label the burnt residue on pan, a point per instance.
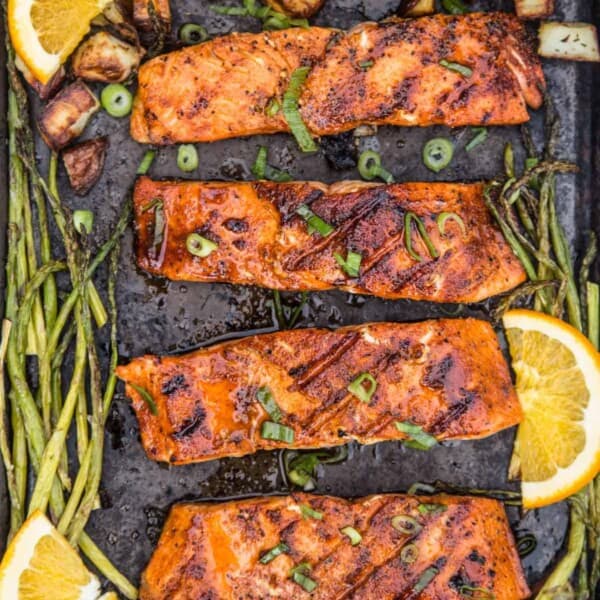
(170, 317)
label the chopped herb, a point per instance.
(146, 162)
(425, 579)
(291, 112)
(355, 537)
(366, 65)
(200, 246)
(262, 170)
(271, 18)
(364, 394)
(428, 509)
(456, 67)
(266, 400)
(437, 154)
(298, 575)
(444, 217)
(277, 432)
(369, 167)
(351, 264)
(406, 524)
(409, 553)
(419, 439)
(301, 469)
(409, 217)
(480, 135)
(310, 513)
(146, 397)
(274, 552)
(273, 107)
(314, 221)
(455, 7)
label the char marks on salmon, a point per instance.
(448, 377)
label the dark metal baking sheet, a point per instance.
(165, 317)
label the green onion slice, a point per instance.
(468, 591)
(153, 204)
(291, 112)
(83, 221)
(420, 488)
(314, 221)
(260, 164)
(366, 65)
(274, 552)
(357, 387)
(369, 167)
(455, 7)
(146, 163)
(444, 217)
(509, 160)
(301, 468)
(187, 158)
(232, 11)
(159, 226)
(456, 67)
(277, 432)
(418, 439)
(200, 246)
(425, 579)
(266, 400)
(146, 397)
(116, 100)
(310, 513)
(409, 553)
(298, 575)
(351, 264)
(273, 107)
(437, 154)
(353, 535)
(191, 34)
(406, 524)
(526, 545)
(431, 508)
(480, 135)
(409, 217)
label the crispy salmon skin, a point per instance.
(377, 73)
(447, 376)
(262, 240)
(463, 546)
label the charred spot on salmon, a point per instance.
(236, 225)
(192, 424)
(435, 374)
(174, 384)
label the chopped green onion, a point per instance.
(406, 524)
(154, 203)
(273, 174)
(428, 509)
(274, 552)
(455, 7)
(83, 221)
(310, 513)
(355, 537)
(437, 154)
(301, 469)
(509, 160)
(444, 217)
(273, 107)
(192, 34)
(425, 579)
(526, 545)
(468, 591)
(277, 432)
(369, 167)
(351, 264)
(232, 11)
(481, 135)
(146, 397)
(456, 67)
(260, 164)
(116, 100)
(366, 65)
(314, 221)
(408, 218)
(298, 575)
(291, 112)
(200, 246)
(364, 394)
(266, 400)
(419, 439)
(187, 158)
(409, 553)
(302, 479)
(159, 225)
(420, 488)
(146, 162)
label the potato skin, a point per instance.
(297, 8)
(84, 163)
(65, 117)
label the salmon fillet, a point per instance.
(377, 73)
(465, 545)
(263, 241)
(448, 377)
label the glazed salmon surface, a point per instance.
(377, 73)
(262, 240)
(447, 376)
(214, 550)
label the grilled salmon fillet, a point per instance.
(377, 73)
(262, 240)
(448, 377)
(460, 547)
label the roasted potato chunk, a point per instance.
(84, 163)
(534, 9)
(296, 8)
(44, 91)
(64, 118)
(143, 11)
(103, 57)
